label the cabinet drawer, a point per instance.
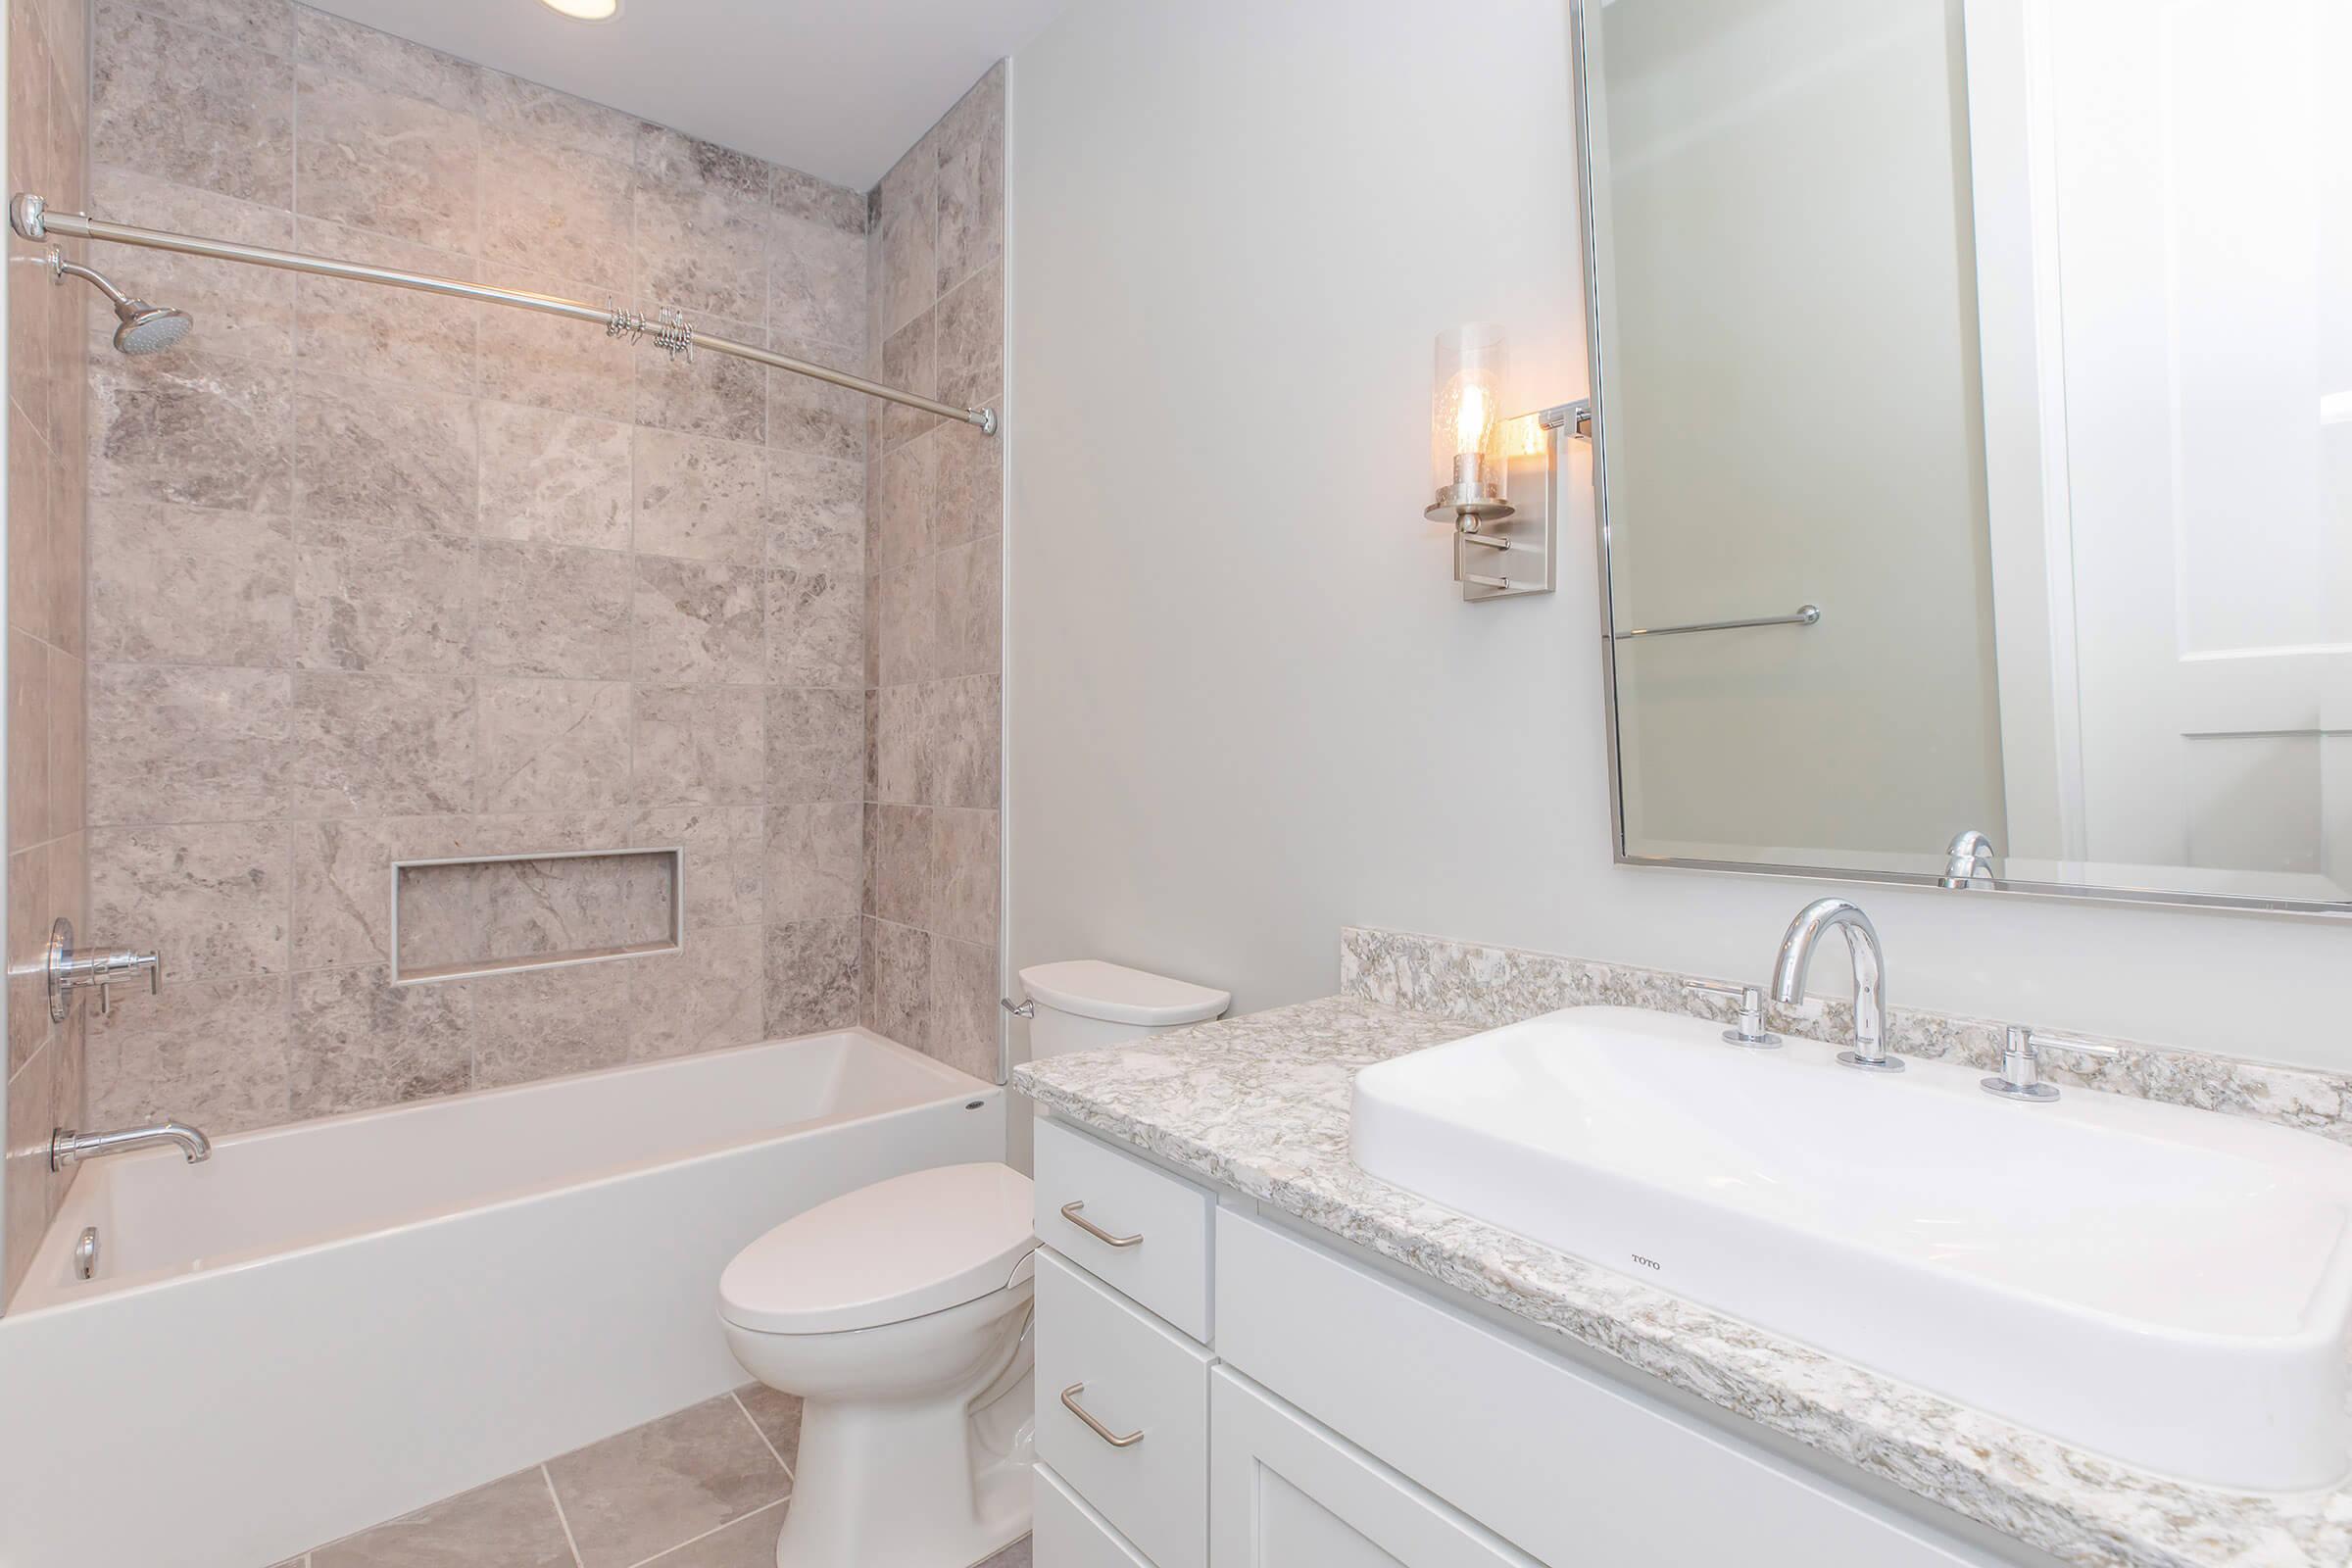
(1067, 1534)
(1569, 1466)
(1158, 1225)
(1132, 1375)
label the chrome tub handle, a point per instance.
(1069, 1403)
(1070, 1212)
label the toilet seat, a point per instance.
(901, 1249)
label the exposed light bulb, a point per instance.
(1470, 420)
(584, 9)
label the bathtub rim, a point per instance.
(51, 1256)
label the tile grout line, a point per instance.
(655, 1558)
(761, 1434)
(481, 714)
(289, 1013)
(570, 1545)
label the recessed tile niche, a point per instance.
(487, 914)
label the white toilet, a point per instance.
(899, 1314)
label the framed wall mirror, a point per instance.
(1973, 387)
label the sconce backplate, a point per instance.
(1514, 555)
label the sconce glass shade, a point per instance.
(1466, 458)
(1522, 436)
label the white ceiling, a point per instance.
(838, 88)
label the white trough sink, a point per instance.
(2165, 1285)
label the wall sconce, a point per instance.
(1466, 427)
(1475, 454)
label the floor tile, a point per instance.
(507, 1524)
(665, 1483)
(1015, 1555)
(747, 1543)
(750, 1542)
(778, 1417)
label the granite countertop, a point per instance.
(1260, 1105)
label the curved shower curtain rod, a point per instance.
(30, 216)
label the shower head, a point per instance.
(145, 328)
(150, 329)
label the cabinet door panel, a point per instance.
(1294, 1525)
(1567, 1465)
(1285, 1492)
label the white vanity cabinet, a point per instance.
(1333, 1414)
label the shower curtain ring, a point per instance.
(674, 335)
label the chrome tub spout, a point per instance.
(69, 1148)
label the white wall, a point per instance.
(1245, 704)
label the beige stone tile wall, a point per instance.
(381, 576)
(480, 912)
(48, 110)
(935, 566)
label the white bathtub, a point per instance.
(329, 1324)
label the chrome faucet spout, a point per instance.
(1796, 959)
(1967, 860)
(69, 1148)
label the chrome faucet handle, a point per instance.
(67, 969)
(121, 966)
(2021, 1060)
(1749, 1030)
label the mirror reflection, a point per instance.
(1987, 364)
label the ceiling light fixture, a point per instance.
(585, 10)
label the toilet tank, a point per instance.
(1085, 1004)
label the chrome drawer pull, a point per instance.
(1069, 1403)
(1070, 1212)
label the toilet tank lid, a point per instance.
(1089, 988)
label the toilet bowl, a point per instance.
(899, 1314)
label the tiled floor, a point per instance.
(703, 1488)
